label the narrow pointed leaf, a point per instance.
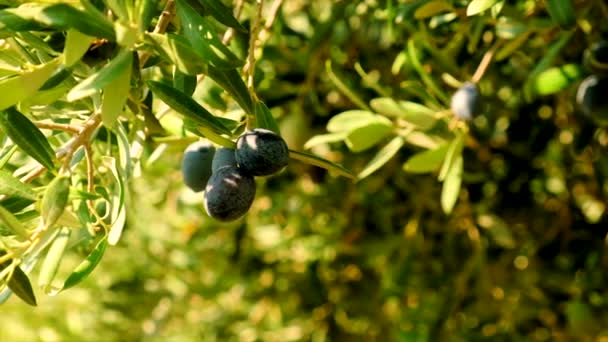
(222, 14)
(382, 157)
(103, 77)
(177, 50)
(87, 265)
(264, 118)
(452, 153)
(320, 162)
(562, 12)
(414, 113)
(52, 261)
(76, 45)
(365, 137)
(324, 139)
(185, 105)
(13, 223)
(20, 285)
(118, 214)
(55, 200)
(183, 82)
(115, 96)
(478, 6)
(27, 136)
(426, 161)
(204, 39)
(231, 81)
(12, 187)
(58, 16)
(19, 87)
(451, 185)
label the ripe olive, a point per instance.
(592, 98)
(465, 101)
(223, 157)
(229, 194)
(261, 152)
(196, 165)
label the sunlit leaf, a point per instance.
(557, 79)
(478, 6)
(222, 14)
(52, 261)
(320, 162)
(11, 186)
(364, 137)
(23, 85)
(351, 119)
(451, 185)
(55, 200)
(102, 78)
(454, 150)
(414, 113)
(325, 139)
(426, 161)
(204, 39)
(87, 265)
(382, 157)
(76, 45)
(58, 16)
(115, 96)
(13, 223)
(432, 8)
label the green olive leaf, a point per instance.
(27, 136)
(264, 118)
(52, 261)
(87, 265)
(204, 39)
(320, 162)
(102, 78)
(54, 200)
(382, 157)
(12, 187)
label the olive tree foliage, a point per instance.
(475, 205)
(84, 86)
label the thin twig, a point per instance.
(485, 63)
(272, 15)
(58, 127)
(161, 26)
(88, 155)
(249, 69)
(229, 34)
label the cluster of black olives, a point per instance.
(592, 93)
(227, 175)
(465, 101)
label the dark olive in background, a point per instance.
(196, 165)
(229, 194)
(261, 152)
(465, 101)
(592, 98)
(223, 157)
(595, 58)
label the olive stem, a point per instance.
(59, 127)
(485, 63)
(161, 26)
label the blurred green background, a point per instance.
(323, 258)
